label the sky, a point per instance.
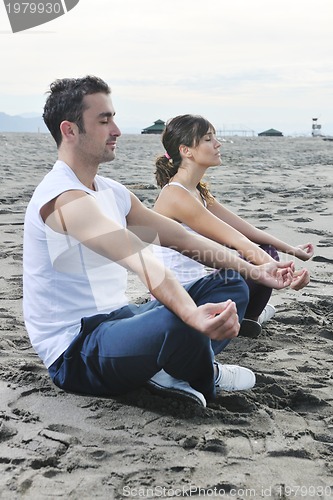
(243, 64)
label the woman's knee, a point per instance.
(271, 250)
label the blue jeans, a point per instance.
(118, 352)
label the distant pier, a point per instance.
(235, 130)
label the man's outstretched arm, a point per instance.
(77, 214)
(149, 225)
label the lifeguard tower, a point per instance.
(316, 128)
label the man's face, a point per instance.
(98, 143)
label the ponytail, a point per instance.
(165, 170)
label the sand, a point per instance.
(255, 444)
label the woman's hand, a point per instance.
(304, 252)
(301, 279)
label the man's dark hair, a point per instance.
(65, 102)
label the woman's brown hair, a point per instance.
(187, 130)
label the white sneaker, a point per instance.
(163, 382)
(267, 314)
(233, 378)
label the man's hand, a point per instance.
(274, 274)
(216, 321)
(280, 277)
(300, 280)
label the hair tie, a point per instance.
(167, 156)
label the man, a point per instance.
(82, 233)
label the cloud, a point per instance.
(164, 57)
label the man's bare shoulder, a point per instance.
(61, 200)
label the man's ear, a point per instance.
(68, 130)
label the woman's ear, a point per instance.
(185, 151)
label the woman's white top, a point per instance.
(185, 268)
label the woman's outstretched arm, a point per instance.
(303, 252)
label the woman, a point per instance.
(191, 148)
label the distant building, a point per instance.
(157, 128)
(271, 133)
(316, 128)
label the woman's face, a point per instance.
(207, 152)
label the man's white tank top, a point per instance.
(63, 280)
